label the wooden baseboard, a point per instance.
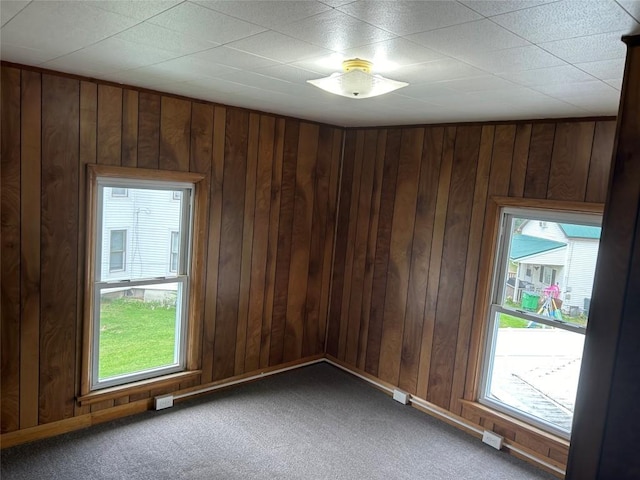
(53, 429)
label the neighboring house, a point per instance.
(140, 233)
(546, 253)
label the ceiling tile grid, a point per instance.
(465, 60)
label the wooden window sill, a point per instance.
(136, 387)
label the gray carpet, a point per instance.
(316, 422)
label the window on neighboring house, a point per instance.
(176, 195)
(140, 318)
(535, 331)
(118, 192)
(117, 250)
(173, 256)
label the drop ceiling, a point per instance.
(464, 60)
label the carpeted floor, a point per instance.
(316, 422)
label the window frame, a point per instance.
(193, 294)
(489, 264)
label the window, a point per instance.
(139, 319)
(119, 192)
(176, 195)
(535, 328)
(173, 255)
(117, 249)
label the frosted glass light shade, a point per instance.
(357, 83)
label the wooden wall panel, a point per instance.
(10, 204)
(265, 260)
(59, 255)
(419, 326)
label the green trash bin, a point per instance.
(530, 301)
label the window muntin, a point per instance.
(117, 250)
(140, 312)
(537, 322)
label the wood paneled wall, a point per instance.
(410, 232)
(270, 236)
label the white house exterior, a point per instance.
(140, 233)
(566, 257)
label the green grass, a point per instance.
(135, 336)
(509, 321)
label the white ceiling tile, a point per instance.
(513, 59)
(256, 80)
(591, 48)
(205, 24)
(267, 13)
(234, 58)
(62, 27)
(548, 76)
(604, 69)
(438, 70)
(602, 104)
(471, 37)
(159, 37)
(567, 91)
(9, 9)
(335, 30)
(567, 19)
(478, 84)
(394, 53)
(615, 83)
(288, 73)
(631, 6)
(336, 3)
(140, 9)
(490, 8)
(26, 56)
(405, 17)
(278, 47)
(110, 55)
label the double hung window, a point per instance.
(539, 307)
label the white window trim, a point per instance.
(496, 293)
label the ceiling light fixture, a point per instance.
(356, 81)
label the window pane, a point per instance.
(138, 329)
(535, 369)
(118, 192)
(149, 216)
(117, 240)
(550, 268)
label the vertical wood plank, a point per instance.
(453, 264)
(539, 164)
(329, 237)
(88, 154)
(283, 259)
(109, 125)
(272, 252)
(148, 130)
(471, 268)
(420, 257)
(372, 238)
(501, 162)
(351, 239)
(383, 243)
(213, 254)
(520, 158)
(175, 137)
(338, 274)
(435, 263)
(570, 162)
(235, 170)
(311, 330)
(354, 310)
(247, 241)
(400, 250)
(300, 241)
(30, 250)
(600, 164)
(129, 128)
(259, 249)
(10, 230)
(60, 153)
